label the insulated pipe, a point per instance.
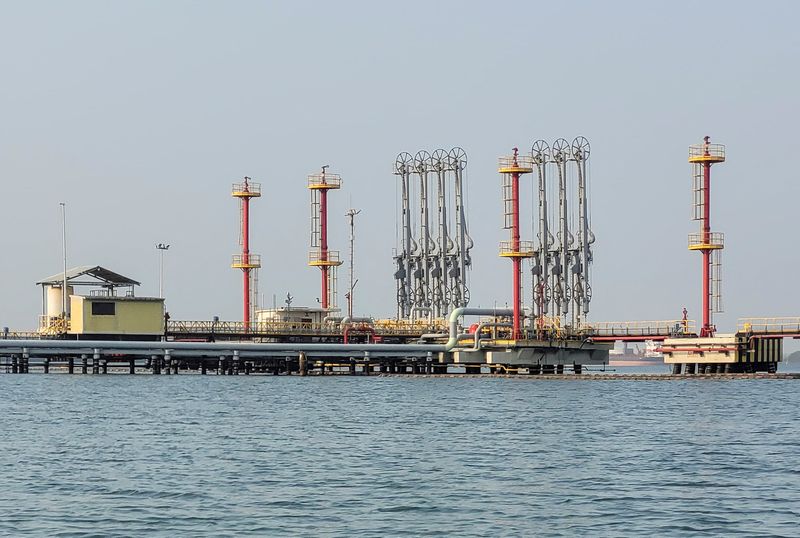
(477, 345)
(348, 319)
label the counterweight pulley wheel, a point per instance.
(541, 152)
(403, 163)
(580, 149)
(458, 159)
(422, 161)
(561, 150)
(439, 160)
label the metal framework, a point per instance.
(434, 253)
(247, 262)
(710, 244)
(560, 263)
(319, 255)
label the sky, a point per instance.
(140, 115)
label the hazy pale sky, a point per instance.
(139, 115)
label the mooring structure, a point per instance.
(247, 262)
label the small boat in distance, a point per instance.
(626, 354)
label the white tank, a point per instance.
(54, 301)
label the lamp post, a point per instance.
(162, 248)
(64, 246)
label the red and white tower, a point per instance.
(319, 255)
(247, 262)
(511, 168)
(709, 243)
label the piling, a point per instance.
(71, 365)
(202, 367)
(46, 365)
(303, 361)
(96, 362)
(84, 367)
(132, 366)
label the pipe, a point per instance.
(476, 346)
(87, 346)
(420, 309)
(349, 319)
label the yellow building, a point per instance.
(110, 307)
(100, 315)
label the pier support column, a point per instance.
(236, 363)
(221, 365)
(132, 366)
(247, 366)
(84, 365)
(202, 367)
(577, 369)
(25, 361)
(560, 369)
(71, 365)
(46, 365)
(96, 362)
(676, 369)
(104, 365)
(352, 366)
(303, 362)
(14, 364)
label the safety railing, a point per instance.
(332, 257)
(239, 189)
(19, 335)
(524, 249)
(699, 150)
(512, 161)
(788, 325)
(668, 327)
(714, 239)
(53, 325)
(251, 260)
(331, 181)
(278, 328)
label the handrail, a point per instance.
(640, 328)
(779, 325)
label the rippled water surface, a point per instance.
(340, 456)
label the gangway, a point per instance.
(787, 327)
(638, 331)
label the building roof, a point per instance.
(104, 276)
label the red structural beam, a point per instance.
(246, 256)
(323, 234)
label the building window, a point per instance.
(103, 308)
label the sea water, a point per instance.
(192, 455)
